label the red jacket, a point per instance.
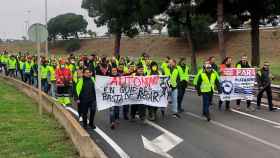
(63, 76)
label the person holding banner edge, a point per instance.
(243, 63)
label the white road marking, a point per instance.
(277, 147)
(110, 141)
(163, 143)
(256, 117)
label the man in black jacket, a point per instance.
(264, 83)
(86, 97)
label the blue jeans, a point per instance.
(53, 89)
(206, 97)
(45, 85)
(174, 96)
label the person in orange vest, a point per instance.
(227, 63)
(63, 83)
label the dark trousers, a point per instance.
(21, 75)
(141, 109)
(12, 73)
(27, 78)
(181, 93)
(114, 114)
(125, 111)
(152, 111)
(221, 103)
(247, 101)
(45, 85)
(269, 96)
(206, 98)
(88, 107)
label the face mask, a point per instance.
(62, 66)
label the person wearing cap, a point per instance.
(34, 72)
(264, 83)
(12, 64)
(174, 80)
(85, 97)
(183, 70)
(114, 111)
(121, 72)
(154, 71)
(243, 63)
(227, 63)
(51, 69)
(140, 108)
(207, 82)
(44, 71)
(27, 70)
(21, 64)
(4, 62)
(63, 83)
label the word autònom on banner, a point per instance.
(237, 83)
(126, 90)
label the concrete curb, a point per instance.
(86, 147)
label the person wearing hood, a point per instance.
(264, 83)
(85, 97)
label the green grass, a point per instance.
(25, 134)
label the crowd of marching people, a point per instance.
(72, 80)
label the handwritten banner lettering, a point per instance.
(127, 90)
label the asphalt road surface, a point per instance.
(231, 134)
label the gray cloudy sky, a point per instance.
(14, 14)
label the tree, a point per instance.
(181, 13)
(220, 17)
(127, 17)
(24, 38)
(91, 34)
(67, 25)
(258, 9)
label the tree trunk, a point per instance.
(220, 16)
(192, 44)
(118, 37)
(255, 40)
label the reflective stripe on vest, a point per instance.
(52, 73)
(44, 72)
(206, 85)
(173, 78)
(79, 85)
(12, 64)
(184, 74)
(27, 67)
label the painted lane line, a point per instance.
(277, 147)
(110, 141)
(163, 143)
(256, 117)
(253, 102)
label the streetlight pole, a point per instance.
(46, 22)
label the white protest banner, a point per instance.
(125, 90)
(237, 83)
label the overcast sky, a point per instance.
(14, 15)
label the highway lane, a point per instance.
(230, 134)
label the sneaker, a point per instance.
(176, 116)
(238, 107)
(181, 110)
(113, 126)
(273, 109)
(80, 119)
(92, 126)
